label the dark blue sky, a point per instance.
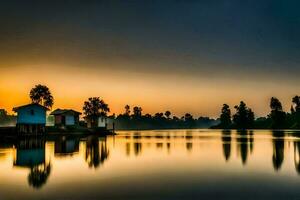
(229, 40)
(228, 33)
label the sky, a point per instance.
(180, 55)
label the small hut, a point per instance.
(31, 118)
(65, 117)
(96, 122)
(100, 122)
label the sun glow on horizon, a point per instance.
(180, 94)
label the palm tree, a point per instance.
(94, 108)
(127, 110)
(41, 94)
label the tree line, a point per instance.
(244, 117)
(95, 107)
(135, 119)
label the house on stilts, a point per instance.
(31, 118)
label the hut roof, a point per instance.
(65, 111)
(15, 109)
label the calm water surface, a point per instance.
(168, 164)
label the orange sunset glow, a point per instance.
(154, 92)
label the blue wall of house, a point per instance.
(30, 157)
(31, 115)
(70, 120)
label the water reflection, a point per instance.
(166, 153)
(226, 139)
(297, 152)
(30, 153)
(278, 149)
(96, 152)
(66, 146)
(137, 146)
(244, 144)
(189, 139)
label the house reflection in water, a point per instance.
(66, 147)
(96, 151)
(30, 153)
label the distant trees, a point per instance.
(296, 103)
(225, 116)
(244, 116)
(277, 115)
(295, 112)
(41, 94)
(189, 120)
(137, 111)
(277, 119)
(242, 119)
(160, 120)
(168, 114)
(127, 110)
(6, 119)
(94, 108)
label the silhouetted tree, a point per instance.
(275, 104)
(277, 115)
(168, 114)
(158, 115)
(189, 120)
(295, 112)
(94, 108)
(296, 103)
(41, 94)
(244, 117)
(225, 116)
(137, 111)
(127, 110)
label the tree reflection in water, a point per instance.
(38, 175)
(297, 156)
(226, 140)
(189, 139)
(137, 148)
(297, 152)
(94, 155)
(245, 144)
(278, 149)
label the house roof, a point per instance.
(64, 111)
(15, 109)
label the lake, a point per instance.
(163, 164)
